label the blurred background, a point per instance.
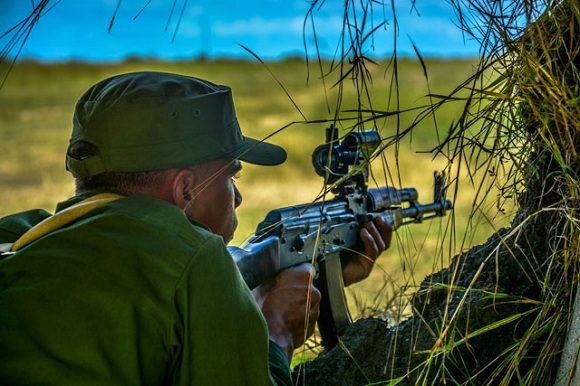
(50, 58)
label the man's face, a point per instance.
(216, 197)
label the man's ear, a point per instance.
(182, 188)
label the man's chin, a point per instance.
(231, 235)
(228, 238)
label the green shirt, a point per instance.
(132, 293)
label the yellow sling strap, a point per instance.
(63, 218)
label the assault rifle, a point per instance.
(319, 231)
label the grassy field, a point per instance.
(37, 101)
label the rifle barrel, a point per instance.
(384, 197)
(418, 210)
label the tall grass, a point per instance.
(518, 130)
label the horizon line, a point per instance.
(223, 58)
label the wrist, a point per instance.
(354, 273)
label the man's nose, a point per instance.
(237, 197)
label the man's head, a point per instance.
(154, 134)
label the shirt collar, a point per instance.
(83, 196)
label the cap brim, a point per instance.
(259, 152)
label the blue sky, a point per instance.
(77, 29)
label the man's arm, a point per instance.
(279, 365)
(14, 226)
(220, 336)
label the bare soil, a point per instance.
(374, 352)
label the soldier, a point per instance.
(130, 282)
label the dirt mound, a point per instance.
(500, 311)
(493, 313)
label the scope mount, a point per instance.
(336, 159)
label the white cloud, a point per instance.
(257, 26)
(431, 25)
(264, 27)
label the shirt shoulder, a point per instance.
(15, 225)
(150, 217)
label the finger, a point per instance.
(313, 318)
(385, 229)
(314, 310)
(315, 296)
(313, 315)
(369, 244)
(378, 238)
(310, 328)
(306, 267)
(300, 273)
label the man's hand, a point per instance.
(290, 304)
(376, 238)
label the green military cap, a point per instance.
(144, 121)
